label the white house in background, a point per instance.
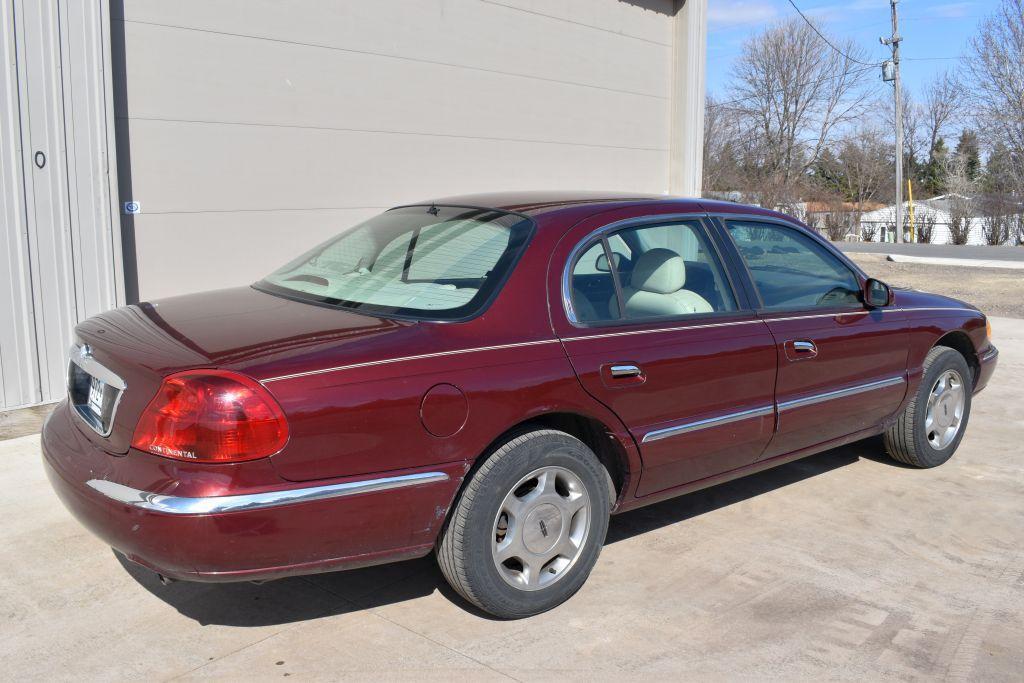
(934, 210)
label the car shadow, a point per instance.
(323, 595)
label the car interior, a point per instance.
(656, 280)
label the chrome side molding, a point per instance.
(657, 434)
(769, 410)
(841, 393)
(176, 505)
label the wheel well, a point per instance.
(959, 341)
(593, 433)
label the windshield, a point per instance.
(429, 262)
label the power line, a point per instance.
(827, 41)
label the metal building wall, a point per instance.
(61, 240)
(254, 129)
(18, 372)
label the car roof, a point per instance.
(584, 203)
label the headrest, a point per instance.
(661, 271)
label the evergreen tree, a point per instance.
(827, 172)
(967, 149)
(933, 176)
(998, 178)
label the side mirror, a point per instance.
(602, 262)
(876, 293)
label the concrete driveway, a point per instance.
(843, 566)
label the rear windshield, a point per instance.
(426, 262)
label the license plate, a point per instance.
(95, 401)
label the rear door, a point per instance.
(842, 366)
(656, 331)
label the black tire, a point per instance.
(464, 550)
(906, 440)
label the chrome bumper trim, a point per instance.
(81, 355)
(841, 393)
(175, 505)
(704, 424)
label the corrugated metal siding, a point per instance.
(49, 236)
(62, 242)
(19, 383)
(273, 125)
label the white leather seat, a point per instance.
(657, 287)
(585, 311)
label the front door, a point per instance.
(842, 366)
(655, 330)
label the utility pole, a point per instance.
(891, 73)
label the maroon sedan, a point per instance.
(488, 378)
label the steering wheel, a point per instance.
(836, 295)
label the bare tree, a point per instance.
(839, 224)
(1017, 227)
(962, 206)
(995, 228)
(942, 107)
(795, 91)
(915, 137)
(724, 146)
(866, 159)
(997, 220)
(924, 226)
(996, 62)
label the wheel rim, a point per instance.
(541, 528)
(945, 411)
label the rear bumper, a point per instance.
(242, 522)
(986, 366)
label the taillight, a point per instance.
(211, 416)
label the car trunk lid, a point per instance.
(136, 346)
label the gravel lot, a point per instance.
(994, 291)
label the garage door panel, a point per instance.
(19, 378)
(215, 167)
(470, 33)
(196, 76)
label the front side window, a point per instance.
(437, 262)
(663, 270)
(791, 270)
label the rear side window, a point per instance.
(593, 286)
(654, 271)
(791, 271)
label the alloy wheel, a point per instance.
(541, 528)
(945, 409)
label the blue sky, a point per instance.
(929, 29)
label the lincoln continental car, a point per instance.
(488, 378)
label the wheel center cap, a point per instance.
(542, 528)
(946, 412)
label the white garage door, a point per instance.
(254, 129)
(59, 243)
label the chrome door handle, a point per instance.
(621, 371)
(805, 347)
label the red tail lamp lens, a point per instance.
(211, 416)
